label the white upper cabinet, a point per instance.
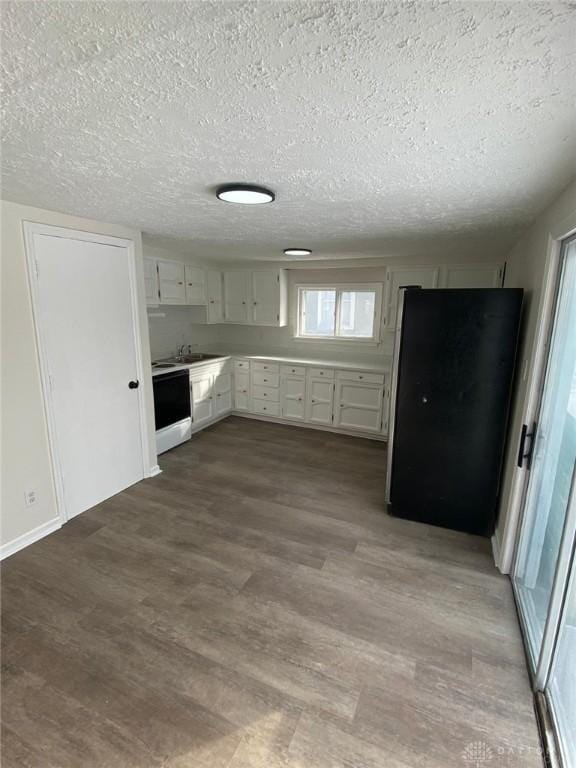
(472, 276)
(195, 285)
(151, 281)
(237, 296)
(214, 297)
(269, 297)
(399, 277)
(171, 276)
(255, 297)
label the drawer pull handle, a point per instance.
(360, 377)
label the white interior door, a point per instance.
(86, 320)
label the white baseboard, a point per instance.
(153, 471)
(11, 547)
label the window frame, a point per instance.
(339, 289)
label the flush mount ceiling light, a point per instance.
(245, 194)
(297, 251)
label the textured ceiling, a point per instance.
(384, 127)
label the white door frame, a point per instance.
(546, 311)
(31, 228)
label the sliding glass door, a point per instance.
(561, 686)
(545, 555)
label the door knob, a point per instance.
(133, 384)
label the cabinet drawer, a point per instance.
(267, 367)
(264, 393)
(265, 407)
(293, 370)
(367, 378)
(241, 365)
(265, 379)
(321, 373)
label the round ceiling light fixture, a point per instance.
(245, 194)
(297, 251)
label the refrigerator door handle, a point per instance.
(524, 454)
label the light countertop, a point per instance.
(375, 364)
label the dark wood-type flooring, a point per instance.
(254, 606)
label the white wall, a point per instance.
(526, 265)
(25, 457)
(170, 327)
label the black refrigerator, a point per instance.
(454, 357)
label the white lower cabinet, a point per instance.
(222, 393)
(320, 401)
(352, 401)
(202, 394)
(386, 404)
(241, 389)
(293, 397)
(358, 406)
(210, 393)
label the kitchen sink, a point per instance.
(197, 357)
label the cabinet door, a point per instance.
(202, 393)
(358, 406)
(386, 405)
(172, 282)
(195, 285)
(472, 276)
(222, 393)
(319, 401)
(398, 277)
(242, 390)
(236, 297)
(266, 297)
(215, 310)
(151, 281)
(293, 398)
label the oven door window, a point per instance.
(171, 398)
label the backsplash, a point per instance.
(170, 327)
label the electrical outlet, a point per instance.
(30, 498)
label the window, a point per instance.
(339, 312)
